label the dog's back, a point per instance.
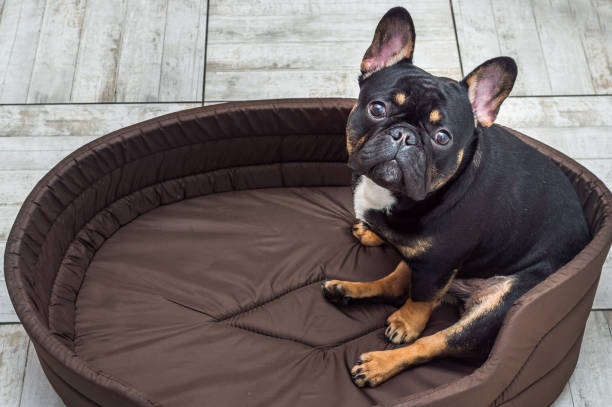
(529, 213)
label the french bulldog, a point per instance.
(474, 212)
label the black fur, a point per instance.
(505, 210)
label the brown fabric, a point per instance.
(177, 262)
(225, 290)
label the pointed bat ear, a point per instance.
(393, 41)
(488, 86)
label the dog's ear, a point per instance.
(393, 41)
(488, 86)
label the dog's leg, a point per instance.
(476, 328)
(392, 286)
(363, 233)
(407, 323)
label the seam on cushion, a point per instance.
(190, 307)
(53, 288)
(268, 334)
(319, 347)
(366, 333)
(254, 306)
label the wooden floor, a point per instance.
(73, 70)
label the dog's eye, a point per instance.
(442, 137)
(377, 110)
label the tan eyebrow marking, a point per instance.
(434, 116)
(400, 98)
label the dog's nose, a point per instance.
(396, 133)
(401, 134)
(410, 139)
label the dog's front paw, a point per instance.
(365, 235)
(373, 368)
(335, 291)
(401, 328)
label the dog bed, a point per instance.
(178, 262)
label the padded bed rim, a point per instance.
(496, 374)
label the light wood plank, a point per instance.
(571, 111)
(19, 144)
(19, 33)
(476, 32)
(562, 48)
(8, 213)
(228, 86)
(17, 185)
(96, 69)
(56, 55)
(565, 398)
(576, 142)
(518, 38)
(2, 249)
(594, 23)
(31, 160)
(141, 51)
(7, 313)
(603, 297)
(182, 69)
(590, 383)
(78, 120)
(37, 390)
(268, 48)
(13, 355)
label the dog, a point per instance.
(473, 212)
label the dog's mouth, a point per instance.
(387, 174)
(396, 165)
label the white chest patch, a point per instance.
(369, 195)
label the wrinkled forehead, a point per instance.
(410, 87)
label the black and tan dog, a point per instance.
(473, 211)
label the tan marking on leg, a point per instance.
(407, 323)
(400, 98)
(374, 368)
(482, 302)
(418, 247)
(393, 285)
(435, 116)
(366, 236)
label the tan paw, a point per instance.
(365, 235)
(373, 368)
(403, 328)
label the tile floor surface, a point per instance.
(73, 70)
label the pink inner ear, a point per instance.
(485, 91)
(384, 54)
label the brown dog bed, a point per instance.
(178, 262)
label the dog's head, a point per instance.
(410, 130)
